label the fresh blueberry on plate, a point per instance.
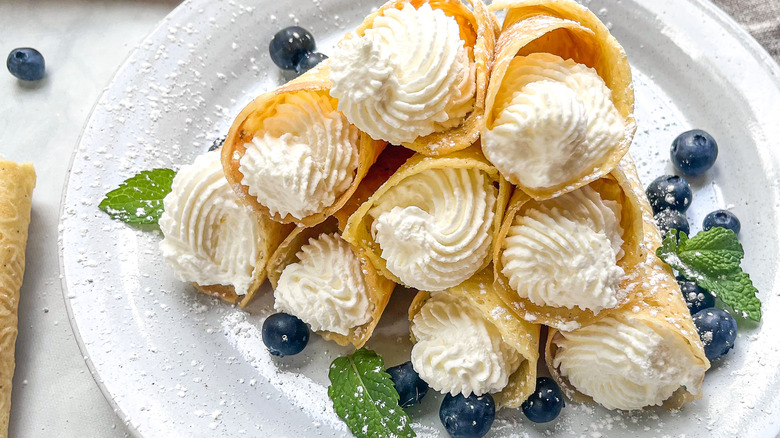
(217, 144)
(26, 64)
(672, 219)
(411, 388)
(717, 330)
(723, 219)
(695, 296)
(289, 45)
(669, 192)
(694, 152)
(545, 403)
(467, 417)
(308, 61)
(285, 335)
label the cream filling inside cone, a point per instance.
(627, 363)
(325, 288)
(303, 159)
(564, 252)
(410, 75)
(458, 351)
(555, 120)
(434, 227)
(210, 237)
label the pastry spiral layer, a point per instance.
(410, 75)
(304, 157)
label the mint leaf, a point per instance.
(138, 200)
(712, 259)
(365, 398)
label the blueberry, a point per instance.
(695, 297)
(289, 45)
(694, 152)
(217, 144)
(671, 219)
(545, 403)
(285, 335)
(411, 388)
(723, 219)
(717, 330)
(466, 417)
(308, 61)
(26, 64)
(669, 192)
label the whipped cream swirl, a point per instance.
(458, 351)
(639, 363)
(210, 237)
(563, 252)
(434, 227)
(325, 288)
(304, 157)
(410, 75)
(556, 120)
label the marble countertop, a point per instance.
(84, 42)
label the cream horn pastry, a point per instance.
(562, 261)
(432, 225)
(292, 155)
(466, 340)
(16, 187)
(213, 240)
(559, 107)
(647, 352)
(415, 72)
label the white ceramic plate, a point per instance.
(175, 363)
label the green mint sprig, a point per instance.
(712, 260)
(139, 199)
(365, 398)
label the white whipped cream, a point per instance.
(434, 227)
(458, 351)
(210, 237)
(563, 252)
(638, 363)
(410, 75)
(303, 158)
(557, 123)
(325, 288)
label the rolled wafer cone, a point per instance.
(656, 300)
(16, 186)
(569, 30)
(521, 335)
(249, 123)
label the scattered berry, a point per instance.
(289, 45)
(217, 144)
(308, 61)
(723, 219)
(695, 297)
(669, 192)
(545, 403)
(467, 417)
(717, 330)
(411, 388)
(26, 64)
(285, 335)
(671, 219)
(694, 152)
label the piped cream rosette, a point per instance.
(468, 341)
(562, 261)
(645, 353)
(415, 73)
(293, 156)
(213, 240)
(559, 106)
(432, 225)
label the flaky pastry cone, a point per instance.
(612, 187)
(249, 124)
(569, 30)
(478, 292)
(16, 186)
(478, 29)
(656, 303)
